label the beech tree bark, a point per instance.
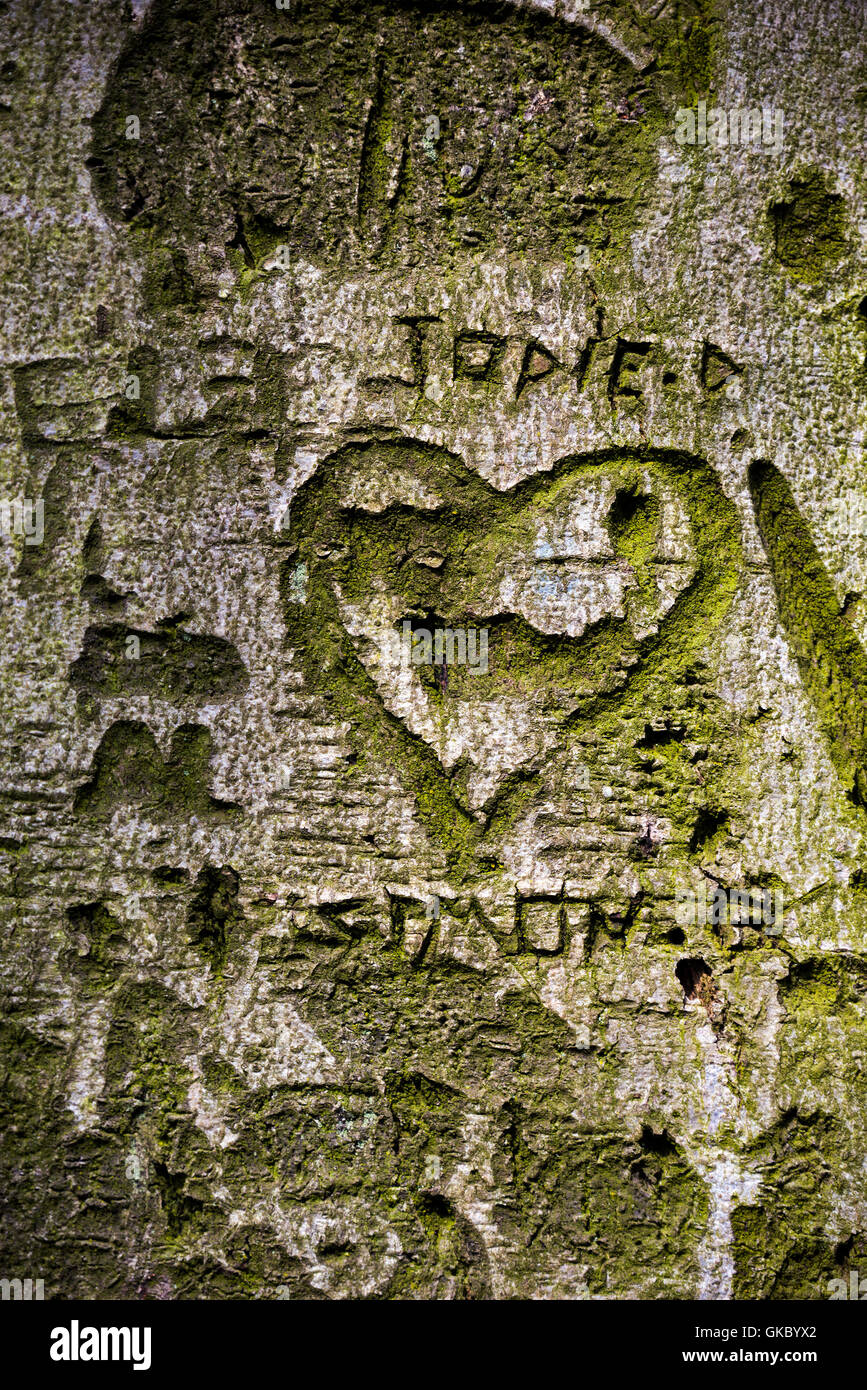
(434, 650)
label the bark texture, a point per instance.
(340, 965)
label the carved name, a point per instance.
(435, 353)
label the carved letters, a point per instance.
(434, 350)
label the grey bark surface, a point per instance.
(326, 973)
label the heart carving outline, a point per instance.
(341, 545)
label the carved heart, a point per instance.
(597, 584)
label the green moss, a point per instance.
(172, 664)
(129, 770)
(810, 228)
(215, 914)
(780, 1243)
(547, 138)
(631, 1212)
(99, 942)
(830, 658)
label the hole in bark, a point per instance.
(167, 873)
(691, 971)
(657, 736)
(654, 1143)
(708, 822)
